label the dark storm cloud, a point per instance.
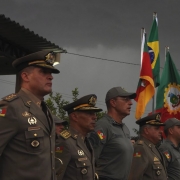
(90, 23)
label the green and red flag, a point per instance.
(145, 89)
(168, 93)
(153, 47)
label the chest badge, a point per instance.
(35, 143)
(80, 152)
(32, 120)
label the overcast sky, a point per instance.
(98, 28)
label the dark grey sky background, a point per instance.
(98, 28)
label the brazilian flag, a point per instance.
(153, 48)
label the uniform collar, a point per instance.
(171, 143)
(147, 142)
(113, 121)
(75, 134)
(32, 97)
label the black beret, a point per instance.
(86, 103)
(153, 119)
(43, 59)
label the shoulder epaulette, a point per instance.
(140, 142)
(10, 97)
(65, 134)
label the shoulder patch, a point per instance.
(140, 142)
(10, 97)
(101, 134)
(167, 155)
(137, 154)
(65, 134)
(2, 112)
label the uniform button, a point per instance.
(51, 152)
(50, 136)
(53, 168)
(84, 164)
(84, 171)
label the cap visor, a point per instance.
(95, 109)
(53, 70)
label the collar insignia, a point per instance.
(26, 114)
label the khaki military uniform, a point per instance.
(148, 163)
(77, 157)
(27, 139)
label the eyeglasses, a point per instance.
(126, 99)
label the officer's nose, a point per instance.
(50, 76)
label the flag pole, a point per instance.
(153, 98)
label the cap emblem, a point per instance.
(50, 58)
(92, 101)
(158, 117)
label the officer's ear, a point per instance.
(146, 129)
(112, 102)
(170, 131)
(24, 76)
(74, 116)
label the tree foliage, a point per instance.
(136, 131)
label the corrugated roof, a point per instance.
(17, 41)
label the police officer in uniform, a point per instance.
(27, 130)
(148, 162)
(111, 137)
(60, 124)
(74, 149)
(170, 148)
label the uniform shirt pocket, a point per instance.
(157, 170)
(84, 167)
(34, 140)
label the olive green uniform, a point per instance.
(148, 162)
(27, 139)
(172, 157)
(77, 156)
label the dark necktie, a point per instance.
(45, 110)
(86, 141)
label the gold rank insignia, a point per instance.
(10, 97)
(65, 134)
(138, 154)
(156, 159)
